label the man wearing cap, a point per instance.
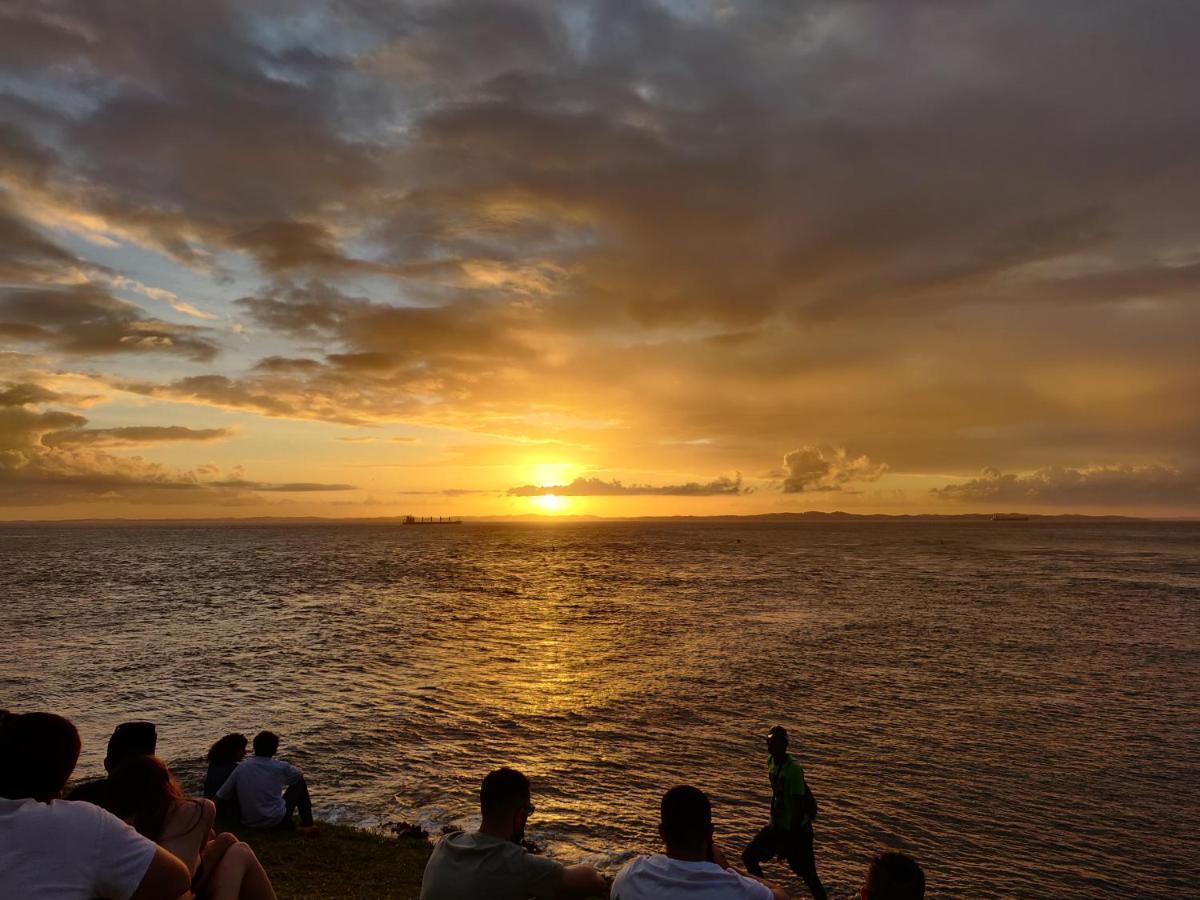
(790, 833)
(129, 740)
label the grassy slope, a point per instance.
(339, 864)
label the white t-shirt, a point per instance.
(659, 877)
(259, 782)
(474, 866)
(68, 851)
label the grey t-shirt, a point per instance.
(474, 866)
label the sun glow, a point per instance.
(551, 504)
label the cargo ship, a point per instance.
(431, 520)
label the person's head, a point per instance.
(141, 792)
(686, 822)
(266, 743)
(38, 753)
(777, 741)
(504, 801)
(228, 750)
(894, 876)
(129, 740)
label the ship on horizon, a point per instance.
(431, 520)
(1009, 517)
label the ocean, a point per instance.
(1017, 704)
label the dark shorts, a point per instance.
(774, 842)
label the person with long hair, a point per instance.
(145, 794)
(223, 758)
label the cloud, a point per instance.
(25, 394)
(291, 487)
(48, 457)
(87, 321)
(1126, 485)
(133, 436)
(596, 487)
(808, 469)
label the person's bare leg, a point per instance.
(240, 876)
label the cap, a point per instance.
(778, 731)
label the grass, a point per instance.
(340, 863)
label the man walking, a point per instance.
(790, 833)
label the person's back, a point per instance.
(68, 850)
(490, 864)
(693, 867)
(472, 865)
(143, 793)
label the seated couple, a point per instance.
(155, 844)
(260, 792)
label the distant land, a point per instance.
(781, 518)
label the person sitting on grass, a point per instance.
(269, 790)
(894, 876)
(693, 866)
(145, 794)
(491, 864)
(52, 848)
(223, 757)
(129, 739)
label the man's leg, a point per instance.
(758, 851)
(801, 858)
(296, 797)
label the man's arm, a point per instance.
(165, 879)
(583, 881)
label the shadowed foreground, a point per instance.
(340, 863)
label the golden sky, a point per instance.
(598, 258)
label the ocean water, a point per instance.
(1015, 703)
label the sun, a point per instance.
(551, 504)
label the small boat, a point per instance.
(431, 520)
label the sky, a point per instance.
(598, 257)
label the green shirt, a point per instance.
(787, 786)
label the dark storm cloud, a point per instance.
(86, 320)
(1149, 485)
(597, 487)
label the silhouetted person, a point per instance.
(790, 833)
(143, 793)
(894, 876)
(52, 848)
(693, 868)
(223, 757)
(268, 790)
(491, 864)
(129, 739)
